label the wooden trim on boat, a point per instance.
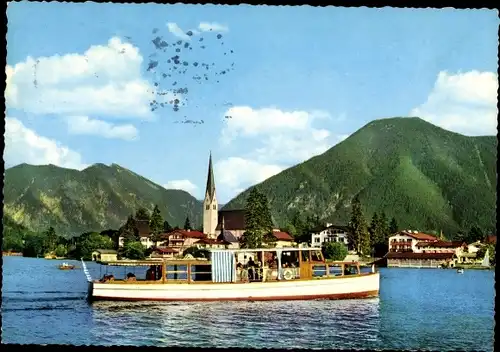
(185, 281)
(354, 295)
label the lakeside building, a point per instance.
(416, 249)
(330, 233)
(104, 255)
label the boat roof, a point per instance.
(268, 249)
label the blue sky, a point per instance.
(302, 79)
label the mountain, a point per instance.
(97, 198)
(426, 177)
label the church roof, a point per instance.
(210, 179)
(227, 236)
(233, 219)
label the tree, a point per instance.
(359, 235)
(301, 231)
(393, 227)
(156, 224)
(89, 243)
(129, 230)
(61, 251)
(258, 220)
(374, 230)
(50, 241)
(113, 234)
(134, 250)
(335, 250)
(166, 227)
(187, 224)
(142, 214)
(475, 234)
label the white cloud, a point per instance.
(279, 139)
(464, 102)
(286, 136)
(185, 185)
(212, 26)
(105, 80)
(243, 172)
(23, 145)
(87, 126)
(177, 31)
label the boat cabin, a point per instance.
(233, 266)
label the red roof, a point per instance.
(166, 250)
(411, 255)
(188, 233)
(282, 236)
(491, 239)
(441, 244)
(419, 236)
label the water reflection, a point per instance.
(309, 324)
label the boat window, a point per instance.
(335, 270)
(201, 272)
(290, 259)
(316, 256)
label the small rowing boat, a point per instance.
(66, 266)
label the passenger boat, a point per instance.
(66, 266)
(234, 275)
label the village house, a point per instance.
(104, 255)
(416, 249)
(330, 233)
(283, 239)
(164, 252)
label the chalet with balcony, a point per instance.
(330, 233)
(406, 241)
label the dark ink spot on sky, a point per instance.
(152, 65)
(185, 63)
(178, 50)
(164, 75)
(179, 42)
(176, 101)
(155, 30)
(219, 36)
(195, 64)
(190, 33)
(201, 39)
(203, 46)
(232, 51)
(156, 84)
(175, 83)
(223, 72)
(186, 45)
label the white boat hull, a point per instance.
(363, 286)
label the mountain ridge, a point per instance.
(404, 166)
(93, 199)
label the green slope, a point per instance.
(426, 177)
(97, 198)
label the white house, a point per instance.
(329, 233)
(406, 241)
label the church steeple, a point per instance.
(210, 179)
(210, 204)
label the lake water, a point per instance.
(417, 309)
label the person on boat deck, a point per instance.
(150, 275)
(251, 268)
(258, 269)
(131, 277)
